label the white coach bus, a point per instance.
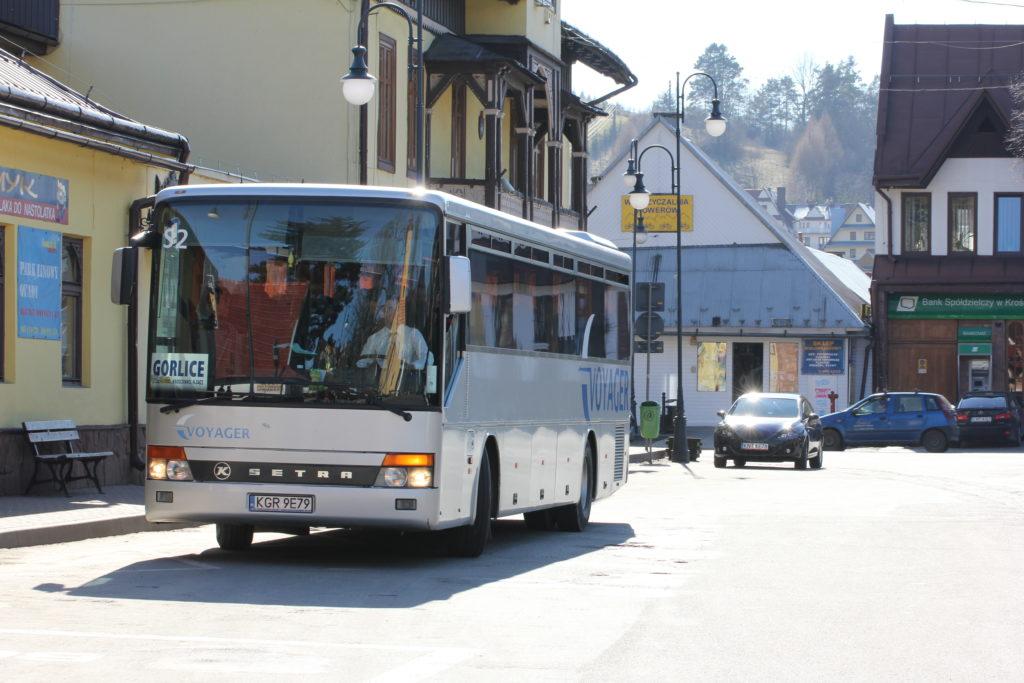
(337, 356)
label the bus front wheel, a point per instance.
(234, 536)
(469, 541)
(575, 517)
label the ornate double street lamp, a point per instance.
(358, 85)
(639, 198)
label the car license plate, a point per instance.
(981, 419)
(276, 502)
(754, 446)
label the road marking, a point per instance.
(246, 662)
(61, 657)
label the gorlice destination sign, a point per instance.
(956, 306)
(33, 195)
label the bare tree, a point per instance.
(805, 76)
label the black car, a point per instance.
(769, 428)
(990, 416)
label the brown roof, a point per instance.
(934, 79)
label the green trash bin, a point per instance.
(650, 419)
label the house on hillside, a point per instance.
(760, 310)
(772, 201)
(812, 224)
(947, 290)
(853, 234)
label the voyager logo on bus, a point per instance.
(188, 432)
(605, 390)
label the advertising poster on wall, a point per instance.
(38, 283)
(823, 357)
(33, 195)
(783, 362)
(823, 386)
(711, 366)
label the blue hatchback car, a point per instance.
(893, 419)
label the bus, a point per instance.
(350, 357)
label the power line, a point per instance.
(953, 45)
(983, 87)
(993, 2)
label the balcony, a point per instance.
(32, 20)
(449, 13)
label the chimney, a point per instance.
(780, 199)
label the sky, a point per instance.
(656, 38)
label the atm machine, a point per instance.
(979, 374)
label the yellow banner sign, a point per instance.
(660, 214)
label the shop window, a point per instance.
(917, 223)
(71, 310)
(711, 366)
(1009, 223)
(386, 101)
(1015, 355)
(963, 222)
(3, 253)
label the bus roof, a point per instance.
(574, 241)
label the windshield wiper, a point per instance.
(373, 399)
(178, 407)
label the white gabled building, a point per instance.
(761, 311)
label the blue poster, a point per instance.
(33, 195)
(38, 283)
(824, 357)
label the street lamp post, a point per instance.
(358, 85)
(639, 237)
(639, 198)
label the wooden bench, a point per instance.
(55, 444)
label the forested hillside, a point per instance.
(811, 130)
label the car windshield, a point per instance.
(764, 406)
(969, 402)
(300, 300)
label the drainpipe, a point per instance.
(864, 366)
(134, 227)
(888, 218)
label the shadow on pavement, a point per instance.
(342, 568)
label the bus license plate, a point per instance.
(276, 502)
(754, 446)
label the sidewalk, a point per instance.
(41, 520)
(638, 452)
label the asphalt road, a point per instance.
(886, 564)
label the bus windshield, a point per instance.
(301, 300)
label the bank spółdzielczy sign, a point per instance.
(38, 283)
(823, 357)
(956, 306)
(660, 214)
(32, 195)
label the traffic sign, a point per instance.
(649, 326)
(655, 347)
(652, 293)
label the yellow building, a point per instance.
(254, 85)
(70, 170)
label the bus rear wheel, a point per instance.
(469, 541)
(234, 536)
(575, 517)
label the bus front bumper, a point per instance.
(333, 506)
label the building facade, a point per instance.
(853, 234)
(69, 172)
(760, 310)
(502, 125)
(947, 291)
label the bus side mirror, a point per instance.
(460, 285)
(123, 272)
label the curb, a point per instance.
(656, 454)
(81, 531)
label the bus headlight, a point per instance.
(407, 470)
(167, 463)
(395, 476)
